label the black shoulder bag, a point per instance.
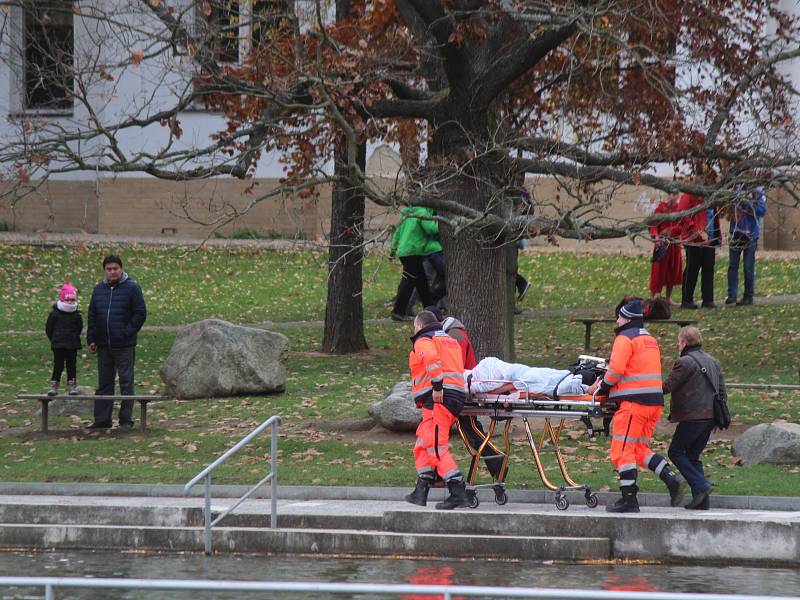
(722, 416)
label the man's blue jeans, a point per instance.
(735, 253)
(688, 442)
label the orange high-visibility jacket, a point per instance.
(634, 369)
(436, 364)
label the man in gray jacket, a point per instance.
(692, 408)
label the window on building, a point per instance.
(48, 58)
(237, 26)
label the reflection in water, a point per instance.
(431, 575)
(621, 583)
(716, 579)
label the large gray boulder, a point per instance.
(214, 358)
(397, 412)
(775, 443)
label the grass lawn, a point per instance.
(753, 344)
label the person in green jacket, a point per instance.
(415, 238)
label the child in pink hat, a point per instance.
(64, 326)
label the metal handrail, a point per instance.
(272, 477)
(445, 591)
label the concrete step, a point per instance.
(380, 527)
(172, 516)
(323, 541)
(671, 534)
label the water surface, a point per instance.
(706, 579)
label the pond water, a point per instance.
(714, 579)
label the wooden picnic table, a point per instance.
(589, 322)
(46, 400)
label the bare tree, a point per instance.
(595, 94)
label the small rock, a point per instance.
(775, 443)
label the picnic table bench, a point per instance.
(46, 400)
(589, 322)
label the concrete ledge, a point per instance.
(664, 535)
(385, 528)
(304, 541)
(174, 516)
(302, 492)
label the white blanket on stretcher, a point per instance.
(539, 380)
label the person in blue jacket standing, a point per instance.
(745, 214)
(116, 314)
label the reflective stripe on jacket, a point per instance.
(436, 364)
(634, 369)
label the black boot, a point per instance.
(457, 497)
(628, 502)
(675, 484)
(420, 494)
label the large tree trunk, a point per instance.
(344, 312)
(480, 272)
(477, 290)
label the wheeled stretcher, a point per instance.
(520, 404)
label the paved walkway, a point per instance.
(620, 246)
(527, 314)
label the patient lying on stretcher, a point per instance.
(537, 380)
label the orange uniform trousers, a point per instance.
(432, 450)
(633, 428)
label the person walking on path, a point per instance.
(666, 265)
(116, 313)
(745, 214)
(437, 387)
(64, 326)
(414, 239)
(692, 408)
(633, 379)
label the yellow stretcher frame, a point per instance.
(500, 407)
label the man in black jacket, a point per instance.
(116, 314)
(692, 407)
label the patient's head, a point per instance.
(423, 319)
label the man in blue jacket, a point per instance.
(745, 214)
(116, 314)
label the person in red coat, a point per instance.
(666, 268)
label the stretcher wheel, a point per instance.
(472, 497)
(562, 503)
(501, 497)
(591, 500)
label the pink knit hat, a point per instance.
(68, 293)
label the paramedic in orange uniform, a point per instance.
(472, 428)
(633, 380)
(437, 387)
